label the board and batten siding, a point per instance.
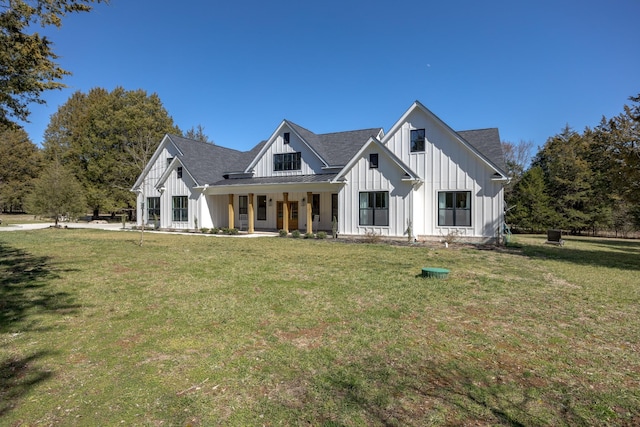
(310, 164)
(149, 185)
(448, 165)
(361, 178)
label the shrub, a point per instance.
(214, 230)
(232, 231)
(321, 235)
(372, 237)
(204, 230)
(283, 233)
(309, 236)
(295, 234)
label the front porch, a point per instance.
(306, 211)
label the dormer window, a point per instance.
(179, 171)
(286, 137)
(373, 161)
(417, 140)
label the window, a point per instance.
(180, 208)
(169, 160)
(454, 208)
(179, 171)
(373, 160)
(286, 137)
(243, 205)
(417, 140)
(286, 162)
(334, 207)
(262, 208)
(153, 208)
(374, 208)
(315, 205)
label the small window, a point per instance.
(180, 208)
(286, 137)
(373, 161)
(374, 208)
(454, 208)
(179, 171)
(169, 160)
(287, 162)
(243, 202)
(417, 140)
(262, 208)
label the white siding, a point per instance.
(387, 177)
(149, 186)
(310, 164)
(447, 165)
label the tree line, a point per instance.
(94, 148)
(579, 182)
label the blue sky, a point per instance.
(238, 68)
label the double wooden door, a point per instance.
(293, 215)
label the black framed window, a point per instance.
(243, 205)
(374, 208)
(454, 208)
(373, 160)
(179, 171)
(153, 208)
(287, 162)
(180, 208)
(334, 206)
(417, 140)
(286, 137)
(262, 208)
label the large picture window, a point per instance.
(180, 208)
(417, 140)
(262, 208)
(286, 162)
(374, 208)
(454, 208)
(153, 208)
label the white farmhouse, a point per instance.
(421, 173)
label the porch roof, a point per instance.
(293, 179)
(294, 183)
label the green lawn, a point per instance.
(202, 330)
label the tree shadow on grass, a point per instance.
(602, 252)
(25, 289)
(449, 394)
(25, 295)
(17, 377)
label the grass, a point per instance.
(13, 219)
(199, 330)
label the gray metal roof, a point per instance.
(487, 142)
(293, 179)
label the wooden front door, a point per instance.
(293, 216)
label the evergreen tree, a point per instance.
(198, 134)
(567, 179)
(20, 161)
(56, 193)
(531, 209)
(105, 138)
(27, 62)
